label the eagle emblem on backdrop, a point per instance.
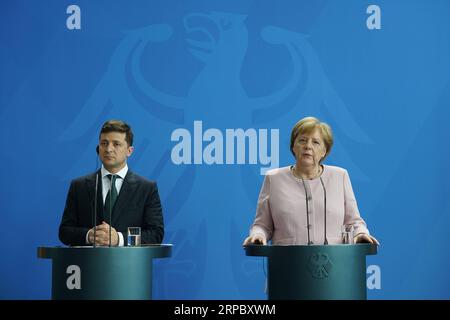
(204, 205)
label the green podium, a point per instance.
(117, 273)
(315, 272)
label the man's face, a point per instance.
(114, 151)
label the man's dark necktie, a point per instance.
(111, 197)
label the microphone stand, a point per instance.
(307, 213)
(95, 209)
(110, 207)
(324, 211)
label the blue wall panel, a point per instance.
(196, 67)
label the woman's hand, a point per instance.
(365, 238)
(258, 238)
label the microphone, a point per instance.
(307, 198)
(324, 212)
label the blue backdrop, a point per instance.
(202, 69)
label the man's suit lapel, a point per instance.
(125, 194)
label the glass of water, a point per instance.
(347, 234)
(134, 236)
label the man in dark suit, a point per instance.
(124, 199)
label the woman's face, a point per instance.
(309, 149)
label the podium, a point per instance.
(315, 272)
(104, 273)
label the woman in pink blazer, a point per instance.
(307, 203)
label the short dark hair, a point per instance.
(118, 126)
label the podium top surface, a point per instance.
(274, 250)
(150, 250)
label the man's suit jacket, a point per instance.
(138, 205)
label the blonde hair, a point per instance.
(308, 125)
